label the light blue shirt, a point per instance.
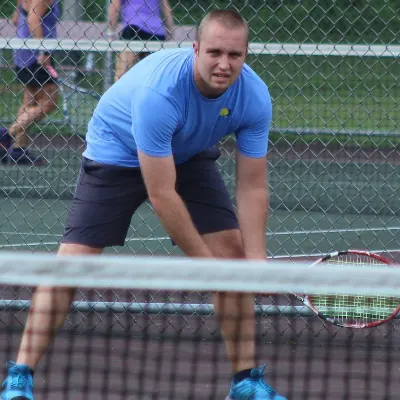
(156, 108)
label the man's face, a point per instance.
(219, 58)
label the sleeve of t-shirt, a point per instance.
(154, 121)
(252, 137)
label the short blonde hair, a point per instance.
(229, 18)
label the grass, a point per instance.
(337, 94)
(341, 21)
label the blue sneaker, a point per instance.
(253, 388)
(5, 144)
(18, 384)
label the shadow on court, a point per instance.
(144, 358)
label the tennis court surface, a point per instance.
(150, 344)
(321, 199)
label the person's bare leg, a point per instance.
(125, 61)
(27, 101)
(37, 104)
(48, 312)
(235, 311)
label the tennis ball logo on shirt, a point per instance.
(224, 112)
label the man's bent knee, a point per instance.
(71, 249)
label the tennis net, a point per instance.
(145, 328)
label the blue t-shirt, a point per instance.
(156, 108)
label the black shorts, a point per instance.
(34, 75)
(107, 196)
(132, 32)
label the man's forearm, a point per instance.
(176, 219)
(252, 206)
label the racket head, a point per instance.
(353, 311)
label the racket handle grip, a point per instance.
(52, 72)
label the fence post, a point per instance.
(109, 74)
(72, 11)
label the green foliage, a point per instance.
(338, 21)
(347, 21)
(7, 8)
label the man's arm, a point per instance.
(251, 174)
(159, 175)
(252, 203)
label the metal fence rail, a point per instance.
(159, 308)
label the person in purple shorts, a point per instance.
(154, 135)
(142, 20)
(34, 19)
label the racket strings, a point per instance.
(363, 309)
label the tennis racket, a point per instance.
(352, 311)
(78, 103)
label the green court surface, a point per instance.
(38, 225)
(317, 204)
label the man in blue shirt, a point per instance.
(153, 135)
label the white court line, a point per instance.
(33, 187)
(159, 239)
(5, 246)
(360, 185)
(151, 239)
(315, 232)
(31, 234)
(60, 235)
(282, 256)
(269, 233)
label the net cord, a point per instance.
(175, 273)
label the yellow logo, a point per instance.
(224, 112)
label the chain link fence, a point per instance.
(332, 70)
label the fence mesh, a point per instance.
(333, 77)
(333, 162)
